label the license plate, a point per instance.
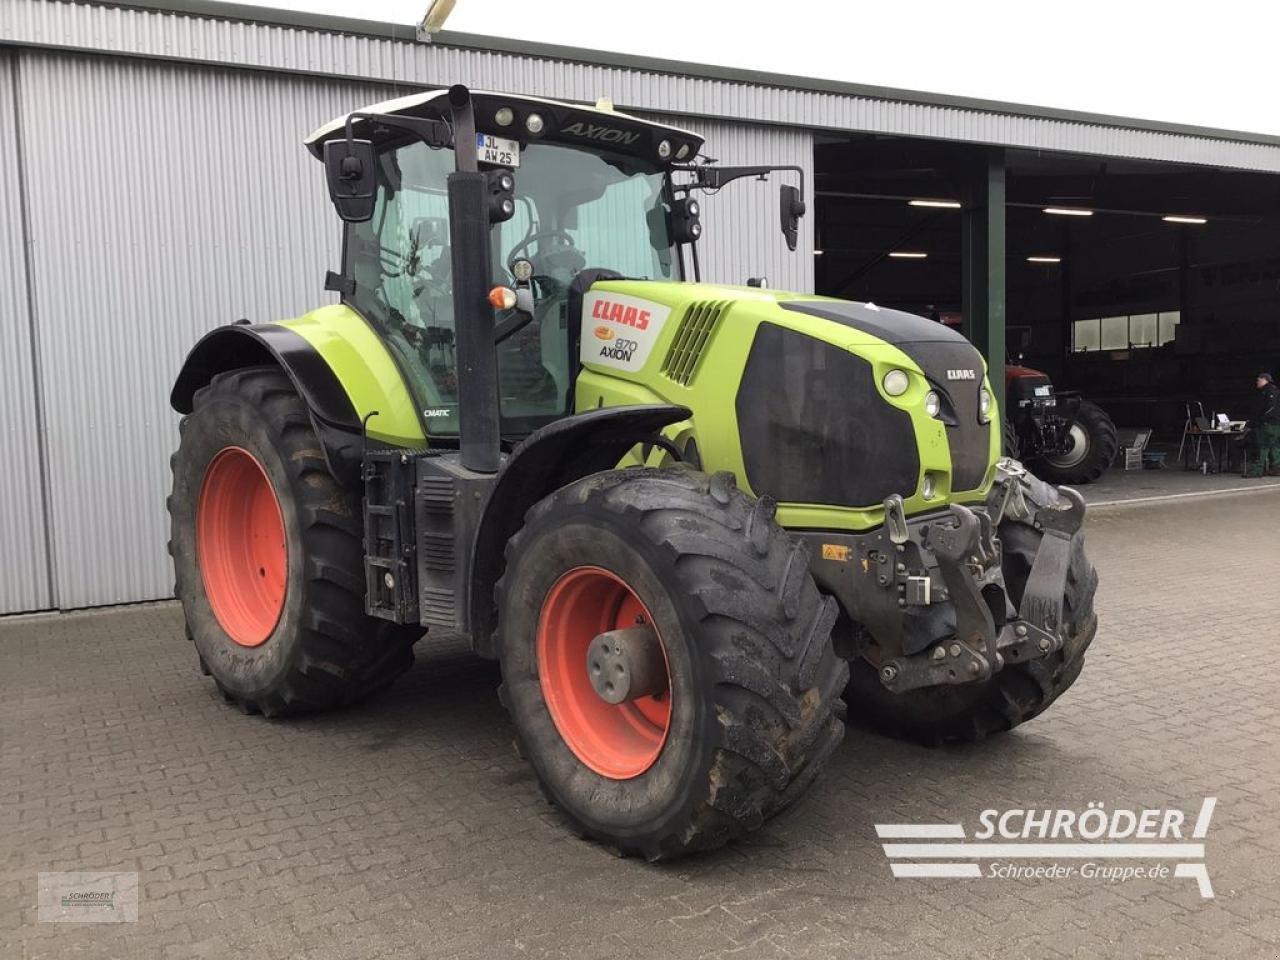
(1042, 391)
(504, 153)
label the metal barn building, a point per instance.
(157, 187)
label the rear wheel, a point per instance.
(683, 593)
(1091, 447)
(1014, 695)
(267, 555)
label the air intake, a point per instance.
(696, 327)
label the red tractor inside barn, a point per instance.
(1061, 436)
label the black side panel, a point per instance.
(968, 438)
(937, 349)
(815, 430)
(548, 459)
(240, 345)
(450, 504)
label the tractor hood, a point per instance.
(796, 384)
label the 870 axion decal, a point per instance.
(624, 332)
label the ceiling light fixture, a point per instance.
(1069, 211)
(1044, 259)
(817, 253)
(907, 254)
(941, 204)
(1179, 218)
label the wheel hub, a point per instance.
(627, 664)
(591, 624)
(1076, 450)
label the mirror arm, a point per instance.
(706, 177)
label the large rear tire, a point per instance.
(1094, 443)
(268, 557)
(1016, 694)
(750, 707)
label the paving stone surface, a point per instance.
(409, 827)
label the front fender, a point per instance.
(340, 367)
(550, 458)
(241, 345)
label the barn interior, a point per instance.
(1144, 285)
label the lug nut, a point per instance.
(974, 668)
(955, 649)
(939, 653)
(1044, 643)
(1020, 630)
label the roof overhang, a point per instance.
(607, 131)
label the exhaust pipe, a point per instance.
(473, 323)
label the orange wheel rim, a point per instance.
(618, 741)
(240, 546)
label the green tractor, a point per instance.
(691, 522)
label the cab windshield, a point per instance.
(574, 209)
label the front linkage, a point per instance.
(930, 591)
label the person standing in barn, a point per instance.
(1267, 426)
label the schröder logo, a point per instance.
(603, 333)
(1097, 843)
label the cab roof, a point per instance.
(567, 123)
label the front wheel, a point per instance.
(1092, 443)
(666, 659)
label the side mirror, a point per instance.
(792, 209)
(350, 166)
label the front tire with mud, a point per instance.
(268, 556)
(752, 684)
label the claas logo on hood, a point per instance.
(603, 333)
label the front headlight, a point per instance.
(932, 403)
(896, 383)
(984, 405)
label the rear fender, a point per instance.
(240, 345)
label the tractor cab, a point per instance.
(573, 193)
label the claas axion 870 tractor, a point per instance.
(692, 522)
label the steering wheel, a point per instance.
(528, 241)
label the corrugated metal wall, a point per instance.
(299, 49)
(165, 199)
(24, 561)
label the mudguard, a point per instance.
(550, 458)
(239, 345)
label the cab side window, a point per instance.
(400, 262)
